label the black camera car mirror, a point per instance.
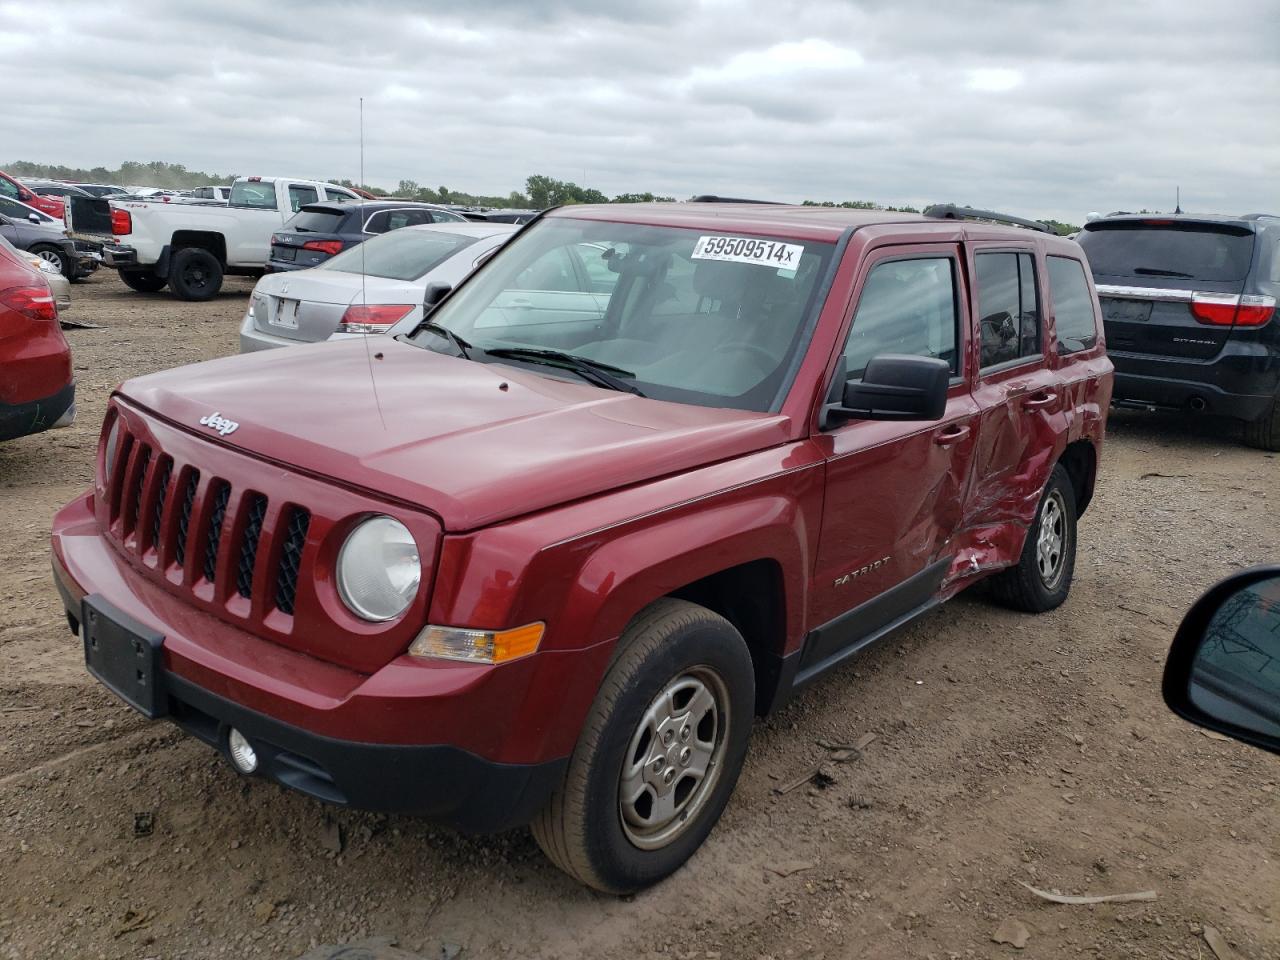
(893, 387)
(1223, 670)
(432, 296)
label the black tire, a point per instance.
(1026, 586)
(195, 274)
(584, 828)
(54, 255)
(144, 281)
(1264, 433)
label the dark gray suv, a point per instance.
(1188, 302)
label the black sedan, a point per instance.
(319, 230)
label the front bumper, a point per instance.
(1240, 382)
(437, 740)
(22, 419)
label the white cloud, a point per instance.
(994, 79)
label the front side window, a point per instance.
(1072, 305)
(253, 193)
(685, 315)
(399, 255)
(1008, 307)
(906, 306)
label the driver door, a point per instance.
(894, 489)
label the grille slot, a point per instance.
(122, 471)
(220, 500)
(184, 518)
(166, 473)
(291, 559)
(144, 461)
(257, 510)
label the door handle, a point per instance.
(1039, 400)
(950, 436)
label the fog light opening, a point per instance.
(243, 757)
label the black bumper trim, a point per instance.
(445, 783)
(21, 419)
(1166, 393)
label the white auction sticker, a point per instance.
(764, 253)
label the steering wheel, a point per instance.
(760, 353)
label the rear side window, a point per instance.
(1008, 307)
(298, 195)
(315, 221)
(1072, 305)
(907, 306)
(387, 220)
(1182, 251)
(253, 193)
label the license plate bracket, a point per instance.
(124, 655)
(286, 314)
(1125, 311)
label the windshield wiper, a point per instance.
(463, 346)
(593, 371)
(1157, 272)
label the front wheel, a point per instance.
(659, 753)
(56, 257)
(1264, 433)
(1042, 578)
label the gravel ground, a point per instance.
(1007, 748)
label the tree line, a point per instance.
(540, 191)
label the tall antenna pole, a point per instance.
(364, 297)
(1177, 204)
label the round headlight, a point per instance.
(109, 451)
(379, 569)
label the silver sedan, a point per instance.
(368, 288)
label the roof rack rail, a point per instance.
(1261, 216)
(712, 198)
(949, 211)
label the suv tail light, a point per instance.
(1226, 309)
(121, 222)
(35, 303)
(373, 317)
(324, 246)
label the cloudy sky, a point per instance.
(1042, 108)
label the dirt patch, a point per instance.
(1008, 748)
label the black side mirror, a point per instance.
(1223, 670)
(432, 296)
(895, 387)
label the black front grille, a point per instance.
(219, 514)
(166, 472)
(291, 559)
(184, 518)
(249, 544)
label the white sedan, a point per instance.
(368, 288)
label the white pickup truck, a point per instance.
(191, 247)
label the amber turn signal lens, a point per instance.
(478, 646)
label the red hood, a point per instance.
(449, 438)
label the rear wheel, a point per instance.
(659, 753)
(56, 257)
(1264, 433)
(1042, 578)
(195, 274)
(144, 281)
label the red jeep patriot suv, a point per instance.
(542, 556)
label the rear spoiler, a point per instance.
(949, 211)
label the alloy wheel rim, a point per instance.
(674, 758)
(51, 256)
(1051, 540)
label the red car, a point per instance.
(542, 556)
(37, 390)
(53, 206)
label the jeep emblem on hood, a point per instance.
(215, 421)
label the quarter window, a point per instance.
(1072, 305)
(1008, 307)
(907, 306)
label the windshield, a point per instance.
(689, 315)
(253, 193)
(402, 255)
(1190, 251)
